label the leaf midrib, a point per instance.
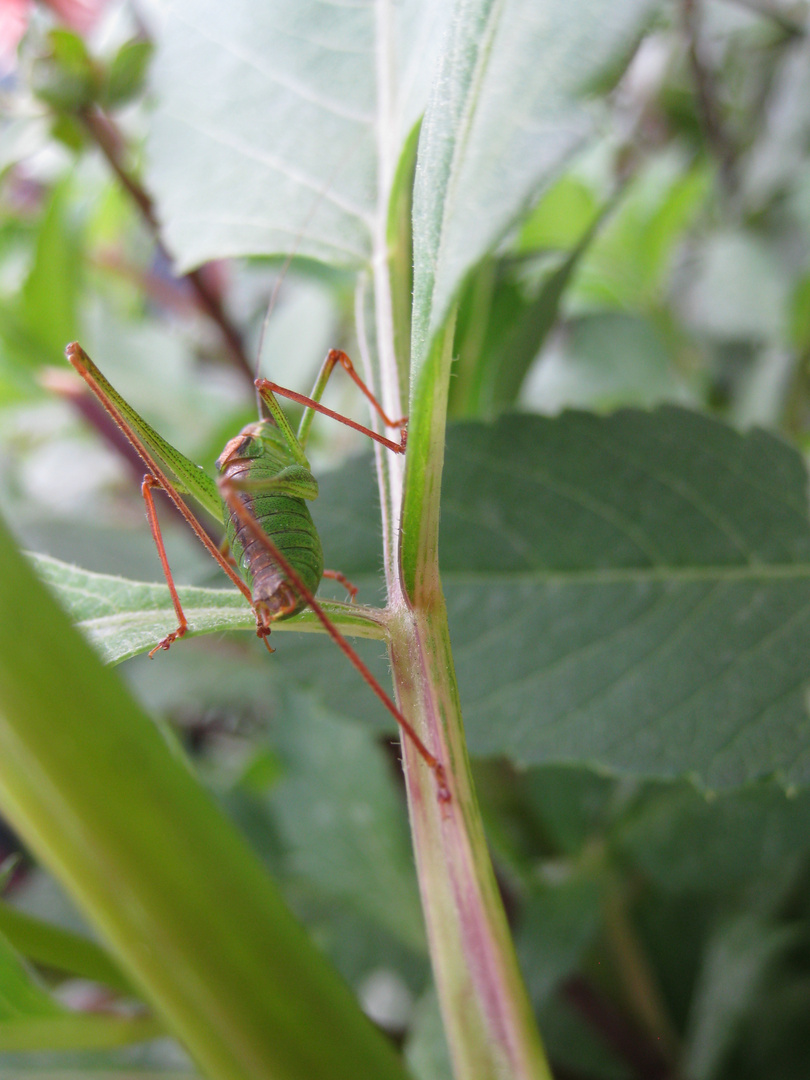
(753, 572)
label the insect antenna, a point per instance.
(285, 266)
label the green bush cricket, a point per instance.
(260, 498)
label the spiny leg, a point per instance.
(150, 481)
(237, 507)
(147, 484)
(334, 357)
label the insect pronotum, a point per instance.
(260, 496)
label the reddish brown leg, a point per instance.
(333, 358)
(335, 575)
(159, 481)
(147, 484)
(338, 356)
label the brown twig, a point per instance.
(621, 1035)
(106, 136)
(708, 110)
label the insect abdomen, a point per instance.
(287, 522)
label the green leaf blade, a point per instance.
(630, 591)
(52, 946)
(269, 160)
(652, 574)
(270, 138)
(156, 866)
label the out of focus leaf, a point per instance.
(31, 1019)
(48, 306)
(738, 290)
(127, 73)
(736, 962)
(561, 218)
(342, 824)
(685, 843)
(601, 360)
(559, 922)
(67, 78)
(627, 265)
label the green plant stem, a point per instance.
(638, 979)
(490, 1028)
(489, 1025)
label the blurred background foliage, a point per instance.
(663, 932)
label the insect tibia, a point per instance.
(267, 389)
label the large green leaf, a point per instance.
(273, 125)
(631, 591)
(646, 606)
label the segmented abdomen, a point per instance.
(287, 522)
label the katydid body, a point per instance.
(260, 498)
(272, 486)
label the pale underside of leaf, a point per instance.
(125, 618)
(267, 137)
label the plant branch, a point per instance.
(108, 139)
(708, 107)
(638, 980)
(623, 1037)
(488, 1020)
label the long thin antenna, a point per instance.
(285, 266)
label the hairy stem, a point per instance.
(488, 1020)
(708, 105)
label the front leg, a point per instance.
(148, 483)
